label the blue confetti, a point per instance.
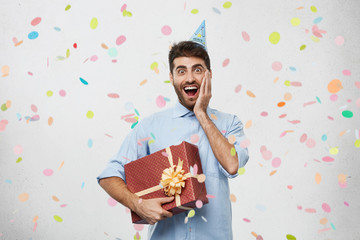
(166, 99)
(324, 137)
(18, 115)
(332, 225)
(83, 81)
(134, 124)
(292, 69)
(90, 143)
(216, 10)
(33, 35)
(318, 20)
(136, 111)
(318, 99)
(82, 185)
(153, 136)
(8, 181)
(57, 29)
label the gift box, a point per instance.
(175, 170)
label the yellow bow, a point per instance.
(173, 180)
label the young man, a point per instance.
(190, 74)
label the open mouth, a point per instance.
(191, 90)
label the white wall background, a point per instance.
(306, 197)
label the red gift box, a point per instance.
(143, 177)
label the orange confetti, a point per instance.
(18, 43)
(143, 82)
(35, 218)
(281, 104)
(334, 86)
(342, 133)
(248, 124)
(273, 172)
(62, 164)
(156, 70)
(287, 96)
(254, 234)
(299, 8)
(250, 94)
(231, 139)
(8, 104)
(213, 116)
(50, 121)
(276, 79)
(323, 221)
(342, 178)
(103, 45)
(232, 198)
(55, 199)
(317, 178)
(260, 165)
(23, 197)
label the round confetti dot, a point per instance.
(201, 178)
(23, 197)
(313, 9)
(226, 62)
(194, 138)
(112, 52)
(18, 149)
(347, 114)
(245, 36)
(324, 137)
(287, 96)
(357, 143)
(323, 221)
(94, 23)
(276, 66)
(199, 204)
(295, 21)
(90, 114)
(48, 172)
(346, 72)
(227, 5)
(232, 198)
(160, 101)
(334, 151)
(33, 35)
(276, 162)
(241, 171)
(112, 202)
(326, 207)
(62, 93)
(339, 40)
(290, 237)
(75, 45)
(93, 58)
(191, 213)
(194, 11)
(232, 139)
(310, 143)
(120, 40)
(335, 86)
(3, 107)
(57, 218)
(154, 65)
(264, 114)
(166, 30)
(287, 83)
(281, 104)
(333, 97)
(36, 21)
(274, 37)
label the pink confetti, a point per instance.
(309, 103)
(138, 227)
(326, 207)
(48, 172)
(63, 205)
(294, 121)
(324, 229)
(357, 104)
(245, 143)
(30, 73)
(62, 93)
(164, 154)
(357, 84)
(93, 58)
(334, 97)
(34, 108)
(238, 88)
(112, 202)
(35, 225)
(245, 36)
(166, 30)
(113, 95)
(35, 118)
(290, 187)
(160, 101)
(264, 114)
(123, 7)
(195, 170)
(266, 155)
(310, 210)
(36, 21)
(296, 84)
(276, 162)
(114, 61)
(226, 62)
(339, 40)
(283, 134)
(299, 207)
(246, 220)
(310, 143)
(282, 115)
(128, 115)
(3, 124)
(210, 196)
(328, 159)
(120, 40)
(346, 72)
(130, 120)
(194, 138)
(276, 66)
(199, 204)
(346, 204)
(330, 117)
(18, 149)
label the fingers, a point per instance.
(166, 200)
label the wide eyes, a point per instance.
(196, 70)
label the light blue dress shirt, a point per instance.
(171, 127)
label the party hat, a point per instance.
(199, 36)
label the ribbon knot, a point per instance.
(173, 179)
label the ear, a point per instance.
(171, 78)
(210, 74)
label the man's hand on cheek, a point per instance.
(204, 96)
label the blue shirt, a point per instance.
(171, 127)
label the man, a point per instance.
(190, 74)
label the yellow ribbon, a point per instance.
(172, 181)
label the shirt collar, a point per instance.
(180, 111)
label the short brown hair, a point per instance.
(188, 49)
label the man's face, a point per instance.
(186, 78)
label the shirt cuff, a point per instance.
(115, 169)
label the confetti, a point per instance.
(248, 124)
(120, 40)
(160, 101)
(166, 30)
(241, 171)
(19, 160)
(317, 178)
(57, 218)
(112, 52)
(250, 94)
(245, 36)
(295, 21)
(302, 47)
(90, 114)
(238, 88)
(246, 220)
(290, 237)
(48, 172)
(281, 104)
(33, 35)
(18, 149)
(328, 159)
(347, 114)
(112, 202)
(273, 172)
(276, 66)
(36, 21)
(245, 143)
(326, 207)
(213, 116)
(210, 196)
(232, 198)
(194, 11)
(67, 7)
(310, 143)
(335, 86)
(94, 23)
(5, 70)
(23, 197)
(191, 213)
(233, 152)
(227, 5)
(83, 81)
(339, 40)
(226, 62)
(199, 204)
(274, 38)
(194, 138)
(276, 162)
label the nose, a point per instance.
(190, 77)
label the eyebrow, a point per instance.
(194, 66)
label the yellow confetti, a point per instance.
(357, 143)
(194, 11)
(191, 213)
(241, 171)
(233, 152)
(295, 21)
(315, 39)
(334, 151)
(67, 53)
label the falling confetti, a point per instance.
(57, 218)
(94, 23)
(166, 30)
(23, 197)
(274, 38)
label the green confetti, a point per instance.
(313, 9)
(3, 107)
(302, 47)
(152, 135)
(67, 53)
(151, 141)
(135, 237)
(154, 65)
(290, 237)
(227, 5)
(134, 124)
(136, 111)
(19, 160)
(168, 81)
(241, 171)
(233, 152)
(318, 99)
(194, 11)
(67, 7)
(57, 218)
(347, 114)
